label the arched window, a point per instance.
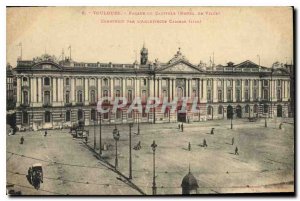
(47, 97)
(117, 93)
(219, 95)
(68, 115)
(246, 94)
(255, 108)
(238, 95)
(179, 92)
(254, 94)
(105, 93)
(209, 110)
(25, 98)
(117, 82)
(220, 109)
(194, 94)
(209, 95)
(129, 97)
(164, 94)
(266, 108)
(47, 117)
(247, 108)
(144, 96)
(67, 97)
(79, 97)
(67, 81)
(144, 82)
(105, 82)
(229, 92)
(25, 81)
(266, 94)
(46, 81)
(278, 94)
(92, 82)
(92, 96)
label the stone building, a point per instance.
(52, 93)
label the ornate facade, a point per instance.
(52, 93)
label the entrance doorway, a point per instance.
(279, 111)
(229, 112)
(238, 111)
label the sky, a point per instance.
(229, 33)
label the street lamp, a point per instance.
(153, 145)
(130, 158)
(138, 131)
(100, 140)
(116, 136)
(266, 125)
(94, 133)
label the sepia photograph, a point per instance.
(150, 101)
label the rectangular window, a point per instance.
(265, 83)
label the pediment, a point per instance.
(47, 66)
(247, 64)
(181, 66)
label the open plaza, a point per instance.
(264, 163)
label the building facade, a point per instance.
(11, 88)
(52, 93)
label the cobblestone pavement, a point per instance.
(265, 162)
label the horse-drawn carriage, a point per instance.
(35, 175)
(77, 130)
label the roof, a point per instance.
(189, 181)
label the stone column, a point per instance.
(159, 91)
(150, 81)
(215, 91)
(18, 91)
(251, 90)
(72, 90)
(40, 92)
(31, 90)
(86, 91)
(259, 90)
(204, 98)
(274, 91)
(138, 86)
(54, 90)
(174, 88)
(34, 90)
(111, 93)
(99, 88)
(190, 88)
(124, 87)
(233, 91)
(224, 90)
(242, 90)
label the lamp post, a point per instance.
(153, 145)
(138, 131)
(116, 136)
(266, 125)
(100, 132)
(94, 134)
(130, 157)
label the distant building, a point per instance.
(52, 93)
(11, 88)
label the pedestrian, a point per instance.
(188, 119)
(181, 127)
(45, 133)
(236, 152)
(280, 126)
(189, 146)
(204, 143)
(232, 141)
(212, 131)
(22, 140)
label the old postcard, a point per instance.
(150, 100)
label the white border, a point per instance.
(5, 3)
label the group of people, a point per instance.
(180, 127)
